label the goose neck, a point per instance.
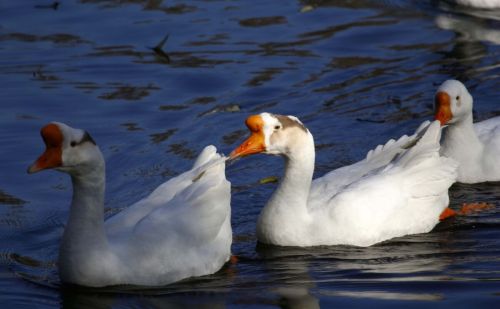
(295, 185)
(84, 230)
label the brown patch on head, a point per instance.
(52, 157)
(86, 138)
(442, 104)
(288, 122)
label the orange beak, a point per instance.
(52, 157)
(255, 143)
(443, 108)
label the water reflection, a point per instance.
(290, 267)
(475, 31)
(412, 258)
(304, 274)
(384, 295)
(77, 297)
(469, 28)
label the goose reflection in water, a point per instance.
(302, 276)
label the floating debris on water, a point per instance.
(306, 8)
(270, 179)
(158, 49)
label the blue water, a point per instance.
(356, 72)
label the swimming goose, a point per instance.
(475, 146)
(182, 229)
(398, 189)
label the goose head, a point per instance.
(67, 150)
(452, 102)
(273, 134)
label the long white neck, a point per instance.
(293, 191)
(288, 204)
(84, 234)
(461, 137)
(461, 143)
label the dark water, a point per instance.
(356, 72)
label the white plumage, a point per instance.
(400, 188)
(182, 229)
(476, 146)
(482, 4)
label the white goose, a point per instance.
(393, 192)
(476, 146)
(182, 229)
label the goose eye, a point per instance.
(277, 127)
(73, 144)
(458, 97)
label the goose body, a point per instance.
(475, 146)
(182, 229)
(393, 192)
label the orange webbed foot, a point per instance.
(467, 209)
(447, 213)
(230, 268)
(233, 259)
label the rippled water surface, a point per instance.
(356, 72)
